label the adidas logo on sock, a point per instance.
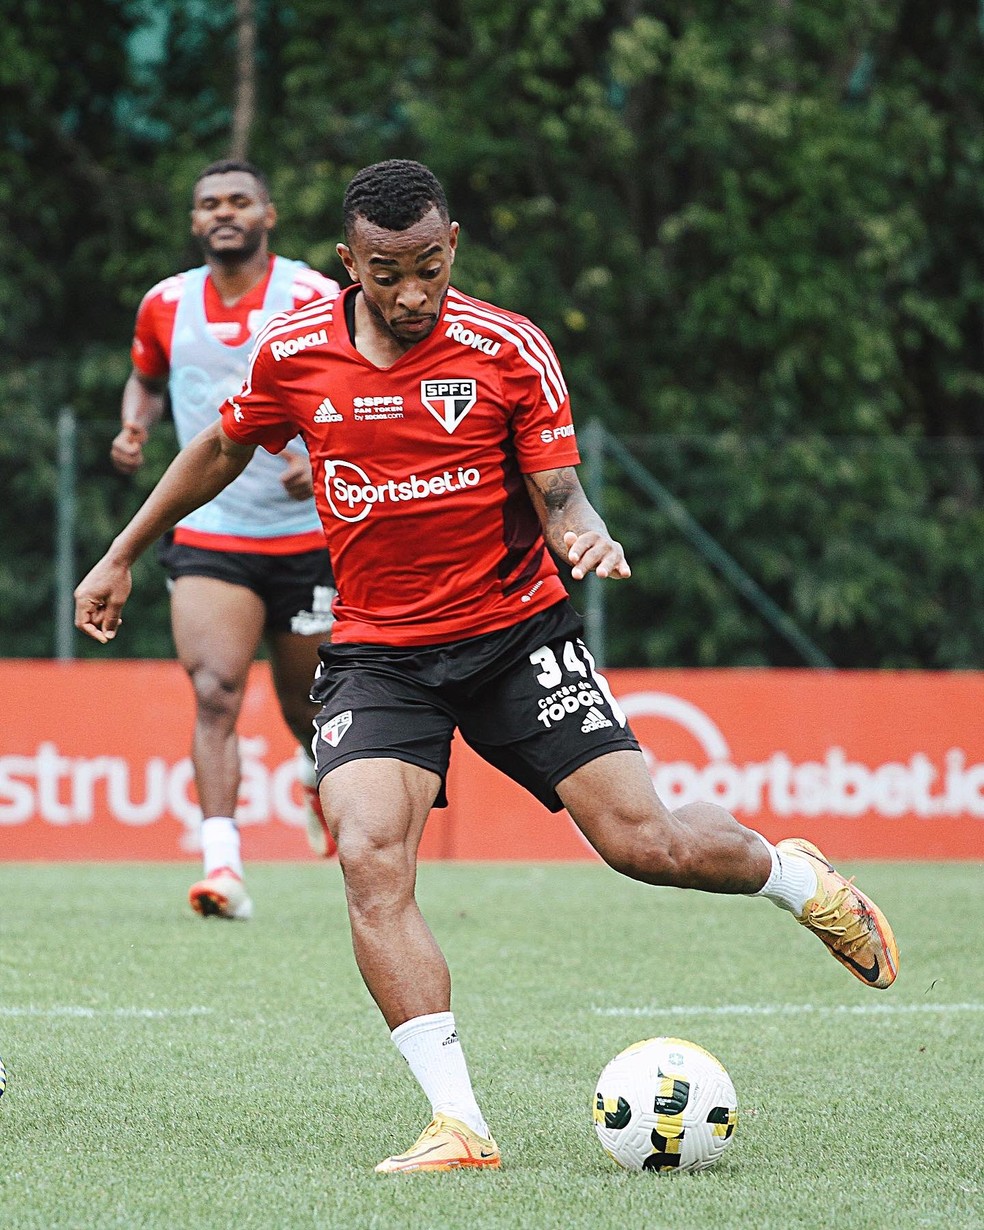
(326, 413)
(594, 719)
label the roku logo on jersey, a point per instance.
(284, 350)
(351, 493)
(458, 333)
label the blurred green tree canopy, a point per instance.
(752, 230)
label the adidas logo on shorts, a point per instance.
(594, 719)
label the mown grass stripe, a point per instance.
(787, 1009)
(74, 1010)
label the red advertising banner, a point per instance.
(94, 764)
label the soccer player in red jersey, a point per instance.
(251, 563)
(441, 437)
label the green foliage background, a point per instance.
(752, 230)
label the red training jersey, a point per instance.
(419, 466)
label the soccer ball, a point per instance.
(665, 1104)
(3, 1078)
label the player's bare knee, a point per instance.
(376, 891)
(643, 850)
(374, 869)
(651, 863)
(218, 699)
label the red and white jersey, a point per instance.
(186, 332)
(151, 346)
(419, 466)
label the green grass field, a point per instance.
(169, 1072)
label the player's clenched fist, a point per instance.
(596, 552)
(126, 451)
(99, 598)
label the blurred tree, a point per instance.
(752, 230)
(244, 110)
(62, 180)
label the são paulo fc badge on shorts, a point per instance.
(334, 729)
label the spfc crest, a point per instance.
(448, 400)
(335, 728)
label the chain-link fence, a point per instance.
(745, 551)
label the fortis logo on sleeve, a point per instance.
(550, 434)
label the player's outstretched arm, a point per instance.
(572, 528)
(200, 471)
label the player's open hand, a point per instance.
(99, 599)
(126, 451)
(297, 479)
(596, 552)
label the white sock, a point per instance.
(430, 1046)
(220, 844)
(792, 880)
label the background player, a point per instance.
(448, 471)
(252, 563)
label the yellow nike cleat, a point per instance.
(444, 1144)
(849, 923)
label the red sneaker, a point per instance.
(222, 894)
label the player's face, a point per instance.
(231, 216)
(404, 274)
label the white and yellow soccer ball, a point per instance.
(665, 1105)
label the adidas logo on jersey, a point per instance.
(594, 719)
(326, 413)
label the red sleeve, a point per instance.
(150, 349)
(534, 388)
(257, 414)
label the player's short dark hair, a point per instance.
(225, 165)
(393, 195)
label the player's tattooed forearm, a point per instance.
(556, 487)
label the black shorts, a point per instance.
(297, 590)
(526, 698)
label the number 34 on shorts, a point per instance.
(572, 685)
